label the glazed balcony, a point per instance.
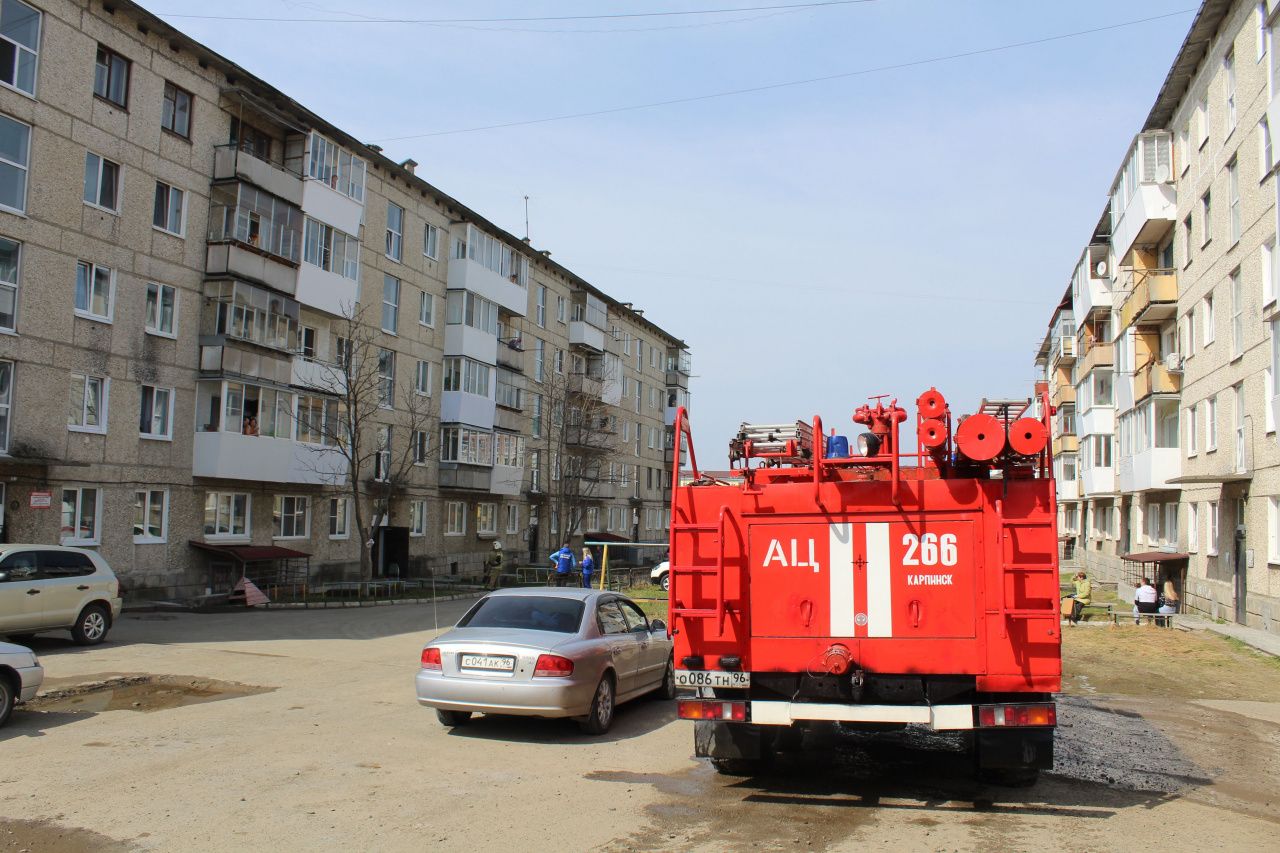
(1153, 297)
(230, 162)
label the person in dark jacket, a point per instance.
(588, 567)
(564, 562)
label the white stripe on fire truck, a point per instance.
(840, 556)
(879, 582)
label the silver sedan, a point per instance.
(20, 677)
(555, 652)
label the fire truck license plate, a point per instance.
(703, 678)
(496, 663)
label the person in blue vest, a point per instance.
(588, 567)
(563, 560)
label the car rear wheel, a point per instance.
(597, 722)
(667, 690)
(453, 718)
(665, 581)
(7, 698)
(92, 625)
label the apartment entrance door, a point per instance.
(1241, 574)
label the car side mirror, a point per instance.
(657, 625)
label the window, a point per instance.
(559, 360)
(331, 250)
(467, 446)
(486, 519)
(1206, 219)
(561, 307)
(1264, 32)
(167, 212)
(535, 427)
(513, 519)
(463, 374)
(15, 149)
(418, 518)
(101, 182)
(1264, 147)
(162, 309)
(455, 518)
(431, 241)
(342, 348)
(427, 310)
(337, 169)
(226, 514)
(6, 403)
(88, 403)
(387, 378)
(1237, 314)
(1269, 271)
(307, 341)
(1211, 543)
(111, 77)
(422, 383)
(1192, 436)
(507, 390)
(289, 517)
(10, 257)
(175, 115)
(1211, 424)
(1202, 121)
(1193, 527)
(508, 450)
(540, 315)
(19, 45)
(464, 307)
(382, 459)
(395, 231)
(1229, 71)
(539, 360)
(1207, 318)
(155, 415)
(1186, 239)
(1238, 401)
(150, 514)
(1273, 530)
(421, 445)
(390, 303)
(339, 518)
(1233, 199)
(80, 513)
(95, 288)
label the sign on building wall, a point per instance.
(41, 500)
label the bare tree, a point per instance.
(374, 427)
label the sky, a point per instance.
(814, 244)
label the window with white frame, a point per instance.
(150, 515)
(1263, 31)
(10, 262)
(467, 375)
(95, 291)
(1193, 527)
(15, 157)
(386, 378)
(540, 314)
(535, 424)
(455, 518)
(508, 449)
(486, 519)
(1264, 148)
(290, 516)
(1208, 320)
(329, 249)
(422, 379)
(81, 511)
(382, 457)
(427, 309)
(431, 241)
(1229, 72)
(101, 182)
(1202, 121)
(19, 45)
(1236, 288)
(167, 213)
(1233, 199)
(1273, 530)
(1193, 438)
(421, 440)
(465, 307)
(1211, 542)
(1211, 424)
(559, 361)
(395, 231)
(88, 403)
(6, 403)
(339, 518)
(155, 414)
(1269, 394)
(226, 514)
(465, 445)
(539, 360)
(1269, 271)
(1238, 434)
(339, 170)
(162, 310)
(513, 519)
(562, 307)
(418, 518)
(390, 303)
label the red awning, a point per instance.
(1155, 557)
(250, 553)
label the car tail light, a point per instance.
(553, 665)
(700, 709)
(431, 658)
(990, 716)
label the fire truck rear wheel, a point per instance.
(739, 766)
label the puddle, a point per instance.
(49, 837)
(142, 693)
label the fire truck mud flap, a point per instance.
(1027, 749)
(742, 741)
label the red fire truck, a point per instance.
(871, 586)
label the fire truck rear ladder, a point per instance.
(717, 571)
(1008, 613)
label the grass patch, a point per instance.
(651, 598)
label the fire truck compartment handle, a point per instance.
(914, 607)
(806, 611)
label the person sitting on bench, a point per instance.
(1081, 597)
(1144, 600)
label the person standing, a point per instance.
(563, 561)
(588, 567)
(1081, 597)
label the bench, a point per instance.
(1160, 620)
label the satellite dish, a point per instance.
(1100, 270)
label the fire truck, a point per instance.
(872, 585)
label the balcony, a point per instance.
(585, 384)
(241, 261)
(1152, 299)
(323, 202)
(677, 379)
(1144, 203)
(510, 420)
(1098, 355)
(506, 480)
(476, 478)
(1155, 378)
(230, 162)
(233, 456)
(1096, 482)
(461, 407)
(318, 376)
(1065, 352)
(477, 344)
(1068, 490)
(1149, 470)
(466, 274)
(1066, 443)
(1063, 392)
(250, 363)
(583, 334)
(330, 292)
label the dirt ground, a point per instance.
(299, 729)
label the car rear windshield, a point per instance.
(527, 612)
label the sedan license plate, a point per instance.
(489, 663)
(704, 678)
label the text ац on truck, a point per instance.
(872, 586)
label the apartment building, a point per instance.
(194, 269)
(1181, 291)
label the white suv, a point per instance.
(50, 587)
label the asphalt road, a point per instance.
(317, 743)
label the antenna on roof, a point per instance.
(526, 219)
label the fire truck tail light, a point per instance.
(698, 709)
(1017, 715)
(431, 658)
(553, 665)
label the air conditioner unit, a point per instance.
(1173, 362)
